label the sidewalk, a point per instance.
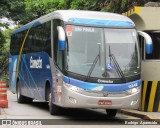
(154, 116)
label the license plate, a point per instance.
(105, 102)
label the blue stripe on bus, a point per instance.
(104, 87)
(101, 22)
(149, 48)
(27, 27)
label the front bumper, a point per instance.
(72, 99)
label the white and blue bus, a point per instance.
(77, 59)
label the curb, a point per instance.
(139, 115)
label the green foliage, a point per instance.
(4, 25)
(86, 5)
(15, 10)
(2, 41)
(116, 6)
(41, 7)
(4, 7)
(18, 13)
(120, 6)
(80, 4)
(7, 34)
(3, 55)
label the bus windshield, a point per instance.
(102, 52)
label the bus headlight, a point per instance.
(72, 87)
(133, 90)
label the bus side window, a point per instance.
(16, 41)
(57, 54)
(39, 39)
(47, 39)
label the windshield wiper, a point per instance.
(93, 66)
(118, 69)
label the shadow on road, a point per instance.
(80, 116)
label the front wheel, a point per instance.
(54, 109)
(111, 112)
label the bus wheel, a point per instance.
(54, 109)
(21, 98)
(111, 112)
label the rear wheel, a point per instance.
(21, 98)
(54, 109)
(111, 112)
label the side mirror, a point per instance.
(61, 38)
(148, 41)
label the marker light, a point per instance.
(73, 100)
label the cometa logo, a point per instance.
(35, 63)
(105, 81)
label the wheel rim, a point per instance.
(49, 103)
(18, 93)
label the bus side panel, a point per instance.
(57, 84)
(12, 73)
(34, 72)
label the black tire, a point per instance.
(53, 109)
(21, 98)
(111, 112)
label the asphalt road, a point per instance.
(71, 118)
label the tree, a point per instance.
(39, 8)
(86, 5)
(2, 37)
(2, 41)
(15, 10)
(4, 54)
(4, 8)
(120, 6)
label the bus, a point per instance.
(77, 59)
(147, 20)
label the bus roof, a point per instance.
(83, 17)
(145, 18)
